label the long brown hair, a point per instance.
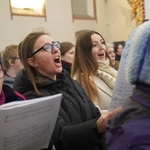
(25, 50)
(84, 65)
(65, 47)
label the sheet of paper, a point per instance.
(28, 125)
(123, 89)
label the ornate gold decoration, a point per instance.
(137, 10)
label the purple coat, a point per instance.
(130, 130)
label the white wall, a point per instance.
(147, 9)
(119, 24)
(113, 22)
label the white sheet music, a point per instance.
(28, 125)
(122, 90)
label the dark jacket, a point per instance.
(66, 66)
(8, 80)
(117, 61)
(9, 95)
(75, 127)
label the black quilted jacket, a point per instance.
(75, 127)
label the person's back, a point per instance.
(130, 129)
(11, 63)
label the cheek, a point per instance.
(104, 47)
(67, 57)
(45, 65)
(44, 60)
(111, 53)
(19, 64)
(71, 56)
(94, 54)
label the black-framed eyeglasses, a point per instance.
(48, 47)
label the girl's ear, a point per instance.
(32, 62)
(10, 61)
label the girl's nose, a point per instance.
(55, 50)
(100, 47)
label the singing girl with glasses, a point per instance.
(79, 126)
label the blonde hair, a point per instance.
(10, 52)
(108, 45)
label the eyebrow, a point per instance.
(101, 40)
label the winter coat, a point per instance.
(75, 127)
(135, 111)
(66, 66)
(9, 95)
(8, 80)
